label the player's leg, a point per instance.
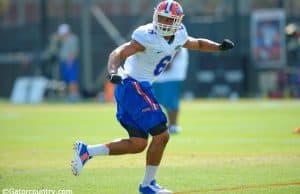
(154, 155)
(73, 74)
(128, 146)
(172, 105)
(148, 116)
(173, 126)
(137, 142)
(157, 146)
(132, 145)
(172, 115)
(168, 94)
(84, 152)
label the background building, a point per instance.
(26, 27)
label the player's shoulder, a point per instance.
(144, 34)
(181, 34)
(146, 29)
(182, 29)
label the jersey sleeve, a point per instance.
(183, 34)
(140, 35)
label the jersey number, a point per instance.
(162, 64)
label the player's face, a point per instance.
(165, 20)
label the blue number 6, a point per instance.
(162, 65)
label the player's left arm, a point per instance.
(208, 45)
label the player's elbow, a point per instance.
(115, 54)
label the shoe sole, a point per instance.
(161, 193)
(76, 162)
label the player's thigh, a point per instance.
(140, 103)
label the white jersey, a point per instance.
(147, 65)
(178, 69)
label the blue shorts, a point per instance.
(70, 72)
(168, 94)
(137, 107)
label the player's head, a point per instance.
(63, 30)
(167, 17)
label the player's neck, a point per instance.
(169, 39)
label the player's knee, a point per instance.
(161, 139)
(165, 138)
(139, 145)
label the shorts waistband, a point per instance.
(130, 79)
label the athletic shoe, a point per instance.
(174, 129)
(153, 188)
(81, 156)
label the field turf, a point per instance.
(225, 147)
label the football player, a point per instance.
(145, 57)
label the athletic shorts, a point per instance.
(137, 107)
(70, 72)
(168, 94)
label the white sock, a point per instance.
(100, 149)
(150, 174)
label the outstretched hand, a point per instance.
(114, 78)
(226, 45)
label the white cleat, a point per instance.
(153, 188)
(81, 156)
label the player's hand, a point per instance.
(226, 45)
(114, 78)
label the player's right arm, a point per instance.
(118, 55)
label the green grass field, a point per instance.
(225, 147)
